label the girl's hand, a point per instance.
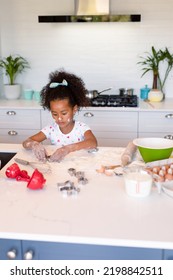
(59, 154)
(39, 151)
(34, 143)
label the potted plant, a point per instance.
(13, 65)
(152, 62)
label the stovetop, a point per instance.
(115, 101)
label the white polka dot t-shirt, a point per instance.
(56, 137)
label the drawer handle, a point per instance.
(28, 255)
(12, 133)
(11, 113)
(88, 115)
(169, 116)
(12, 254)
(169, 137)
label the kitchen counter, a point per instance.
(19, 104)
(167, 104)
(101, 214)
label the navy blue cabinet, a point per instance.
(68, 251)
(168, 255)
(10, 249)
(40, 250)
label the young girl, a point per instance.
(64, 95)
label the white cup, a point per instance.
(137, 182)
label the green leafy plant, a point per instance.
(13, 65)
(152, 62)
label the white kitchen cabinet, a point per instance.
(18, 124)
(111, 128)
(155, 124)
(46, 118)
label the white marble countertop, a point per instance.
(166, 105)
(101, 213)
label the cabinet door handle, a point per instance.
(169, 137)
(88, 115)
(12, 133)
(11, 113)
(169, 116)
(12, 254)
(28, 255)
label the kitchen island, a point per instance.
(100, 222)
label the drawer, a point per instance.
(109, 121)
(156, 122)
(156, 134)
(15, 135)
(104, 121)
(46, 118)
(26, 119)
(110, 142)
(114, 139)
(168, 255)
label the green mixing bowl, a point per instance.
(152, 149)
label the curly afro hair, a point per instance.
(75, 91)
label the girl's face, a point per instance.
(63, 114)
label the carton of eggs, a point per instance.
(161, 171)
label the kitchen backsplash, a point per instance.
(103, 54)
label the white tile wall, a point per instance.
(103, 54)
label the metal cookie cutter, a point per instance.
(94, 150)
(68, 188)
(72, 171)
(82, 181)
(118, 171)
(80, 174)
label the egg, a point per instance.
(167, 166)
(101, 170)
(169, 171)
(158, 178)
(109, 172)
(149, 170)
(162, 172)
(156, 169)
(168, 177)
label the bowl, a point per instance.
(152, 149)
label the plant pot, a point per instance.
(12, 91)
(155, 95)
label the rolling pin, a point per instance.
(128, 154)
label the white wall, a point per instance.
(103, 54)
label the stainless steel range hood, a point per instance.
(91, 7)
(90, 11)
